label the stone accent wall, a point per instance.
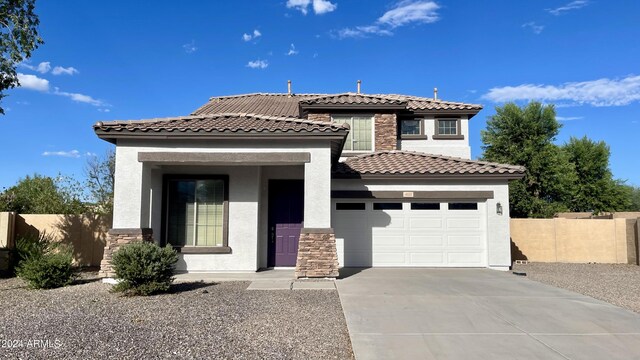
(117, 238)
(386, 132)
(319, 117)
(317, 254)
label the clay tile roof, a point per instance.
(399, 162)
(286, 105)
(221, 123)
(258, 103)
(422, 103)
(353, 99)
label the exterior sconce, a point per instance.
(499, 209)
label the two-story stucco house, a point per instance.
(311, 181)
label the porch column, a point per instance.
(131, 206)
(317, 255)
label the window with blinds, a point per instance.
(195, 214)
(361, 133)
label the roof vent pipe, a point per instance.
(289, 87)
(359, 83)
(435, 93)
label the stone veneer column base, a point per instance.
(117, 238)
(317, 254)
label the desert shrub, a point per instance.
(47, 270)
(143, 268)
(31, 246)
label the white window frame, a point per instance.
(373, 131)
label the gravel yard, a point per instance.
(195, 321)
(617, 284)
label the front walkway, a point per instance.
(478, 314)
(262, 280)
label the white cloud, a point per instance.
(69, 154)
(104, 110)
(82, 98)
(404, 13)
(59, 70)
(537, 29)
(319, 6)
(323, 6)
(362, 31)
(190, 47)
(248, 37)
(569, 118)
(42, 68)
(33, 82)
(292, 50)
(600, 92)
(574, 5)
(411, 12)
(258, 64)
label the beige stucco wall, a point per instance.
(572, 240)
(6, 229)
(86, 233)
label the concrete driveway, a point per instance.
(479, 314)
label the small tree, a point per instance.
(524, 136)
(18, 38)
(100, 174)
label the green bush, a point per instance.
(48, 270)
(143, 268)
(31, 246)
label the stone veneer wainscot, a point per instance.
(317, 254)
(115, 239)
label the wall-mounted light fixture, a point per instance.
(499, 209)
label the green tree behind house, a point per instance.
(594, 189)
(524, 136)
(39, 194)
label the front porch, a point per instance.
(244, 219)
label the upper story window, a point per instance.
(448, 129)
(412, 129)
(361, 133)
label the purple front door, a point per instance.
(286, 214)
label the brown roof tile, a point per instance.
(221, 123)
(285, 105)
(399, 162)
(353, 99)
(259, 103)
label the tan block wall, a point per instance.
(86, 233)
(572, 240)
(6, 229)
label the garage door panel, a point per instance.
(464, 258)
(468, 240)
(389, 259)
(427, 259)
(424, 223)
(416, 241)
(463, 223)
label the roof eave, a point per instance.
(113, 135)
(429, 176)
(352, 106)
(471, 112)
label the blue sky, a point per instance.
(108, 60)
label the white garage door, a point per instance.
(416, 233)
